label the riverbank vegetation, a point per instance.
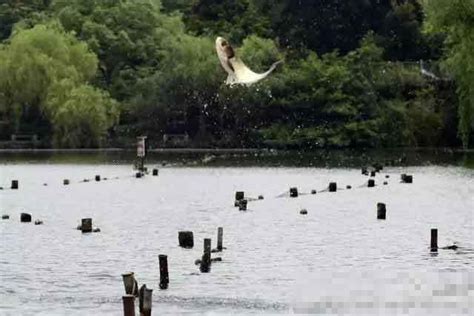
(371, 73)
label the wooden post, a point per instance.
(128, 305)
(146, 302)
(206, 257)
(434, 240)
(371, 183)
(164, 277)
(242, 205)
(25, 218)
(372, 173)
(66, 181)
(381, 211)
(332, 187)
(86, 225)
(239, 195)
(186, 239)
(220, 234)
(155, 172)
(293, 192)
(129, 283)
(138, 174)
(364, 171)
(14, 185)
(97, 178)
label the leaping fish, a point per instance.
(238, 72)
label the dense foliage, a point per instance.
(100, 72)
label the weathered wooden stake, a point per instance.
(293, 192)
(242, 205)
(332, 187)
(220, 234)
(25, 218)
(434, 239)
(145, 301)
(86, 225)
(371, 183)
(206, 257)
(186, 239)
(14, 185)
(381, 211)
(164, 277)
(128, 305)
(97, 178)
(129, 283)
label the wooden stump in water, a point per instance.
(145, 301)
(155, 172)
(206, 257)
(364, 171)
(97, 178)
(239, 195)
(434, 240)
(242, 205)
(313, 191)
(348, 187)
(5, 216)
(186, 239)
(130, 283)
(372, 173)
(128, 305)
(332, 187)
(303, 212)
(220, 235)
(66, 181)
(260, 197)
(164, 277)
(293, 192)
(25, 218)
(371, 183)
(381, 211)
(14, 185)
(38, 222)
(408, 179)
(86, 225)
(138, 175)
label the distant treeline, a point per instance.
(365, 73)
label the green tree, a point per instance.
(36, 66)
(456, 19)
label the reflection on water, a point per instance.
(330, 261)
(268, 158)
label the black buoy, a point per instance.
(186, 239)
(371, 183)
(97, 178)
(293, 192)
(332, 187)
(14, 185)
(381, 211)
(25, 218)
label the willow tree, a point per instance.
(456, 19)
(48, 70)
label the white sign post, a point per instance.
(141, 152)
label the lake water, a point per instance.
(338, 259)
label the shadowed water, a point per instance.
(338, 259)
